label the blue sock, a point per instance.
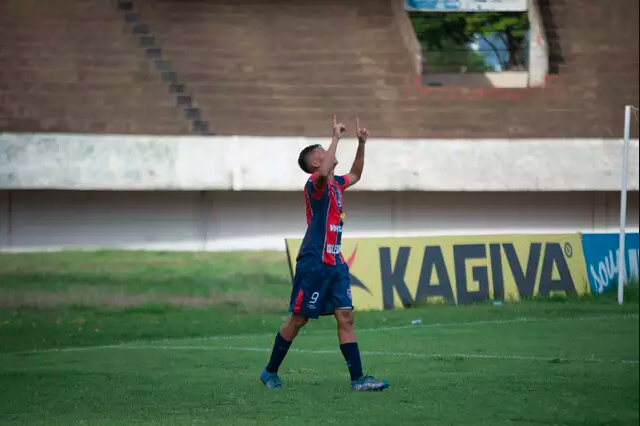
(280, 349)
(351, 354)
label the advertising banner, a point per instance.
(389, 273)
(601, 252)
(466, 5)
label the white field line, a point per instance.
(408, 354)
(153, 343)
(400, 327)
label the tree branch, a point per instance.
(504, 39)
(495, 50)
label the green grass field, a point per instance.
(179, 339)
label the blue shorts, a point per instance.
(320, 289)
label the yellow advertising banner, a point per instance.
(389, 273)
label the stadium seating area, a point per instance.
(75, 66)
(281, 67)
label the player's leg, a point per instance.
(309, 287)
(287, 333)
(281, 346)
(348, 343)
(345, 318)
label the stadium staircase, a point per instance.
(175, 85)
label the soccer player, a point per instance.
(321, 283)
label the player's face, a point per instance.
(318, 157)
(323, 153)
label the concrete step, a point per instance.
(30, 27)
(271, 44)
(76, 126)
(127, 46)
(142, 89)
(76, 111)
(272, 70)
(88, 99)
(45, 7)
(98, 76)
(63, 64)
(301, 79)
(32, 54)
(269, 90)
(277, 32)
(291, 64)
(294, 8)
(196, 52)
(289, 101)
(218, 114)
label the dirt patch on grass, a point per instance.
(88, 298)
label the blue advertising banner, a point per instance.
(601, 255)
(433, 5)
(466, 5)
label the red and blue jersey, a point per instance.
(325, 220)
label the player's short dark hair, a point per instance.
(302, 160)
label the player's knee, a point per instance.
(298, 321)
(346, 319)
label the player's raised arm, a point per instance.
(329, 162)
(358, 164)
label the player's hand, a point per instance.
(338, 128)
(361, 134)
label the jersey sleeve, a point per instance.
(343, 182)
(312, 190)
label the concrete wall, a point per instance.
(114, 162)
(538, 47)
(214, 193)
(51, 220)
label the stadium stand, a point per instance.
(75, 66)
(280, 67)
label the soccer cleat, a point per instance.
(369, 384)
(270, 380)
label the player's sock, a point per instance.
(280, 349)
(351, 354)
